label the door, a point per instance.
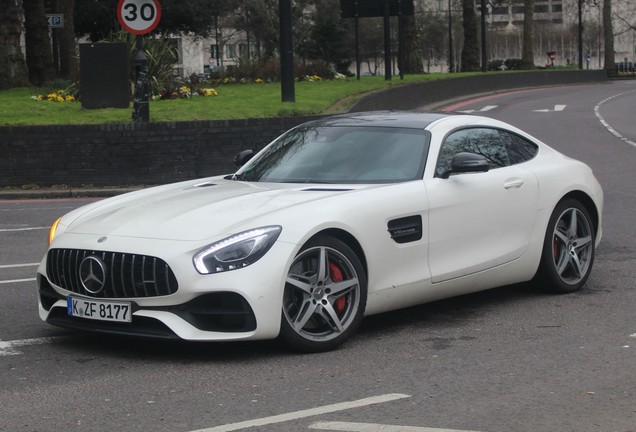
(478, 221)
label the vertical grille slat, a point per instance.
(126, 275)
(154, 276)
(132, 276)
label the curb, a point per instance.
(38, 194)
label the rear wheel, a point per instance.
(568, 250)
(325, 296)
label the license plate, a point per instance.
(99, 309)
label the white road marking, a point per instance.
(306, 413)
(7, 348)
(484, 109)
(373, 427)
(597, 112)
(557, 108)
(23, 229)
(35, 209)
(17, 281)
(633, 336)
(6, 266)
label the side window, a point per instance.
(482, 141)
(519, 149)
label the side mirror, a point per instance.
(242, 157)
(466, 163)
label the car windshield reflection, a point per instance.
(341, 154)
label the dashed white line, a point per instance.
(11, 281)
(557, 108)
(633, 336)
(23, 229)
(373, 427)
(306, 413)
(6, 266)
(483, 109)
(8, 347)
(597, 112)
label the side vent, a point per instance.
(407, 229)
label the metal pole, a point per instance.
(387, 42)
(357, 29)
(580, 34)
(484, 54)
(288, 93)
(451, 65)
(400, 40)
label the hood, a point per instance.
(196, 210)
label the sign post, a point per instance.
(140, 17)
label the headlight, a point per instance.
(237, 251)
(53, 230)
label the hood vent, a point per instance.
(407, 229)
(202, 185)
(325, 190)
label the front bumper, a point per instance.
(236, 305)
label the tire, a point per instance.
(568, 248)
(324, 298)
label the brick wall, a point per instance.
(121, 154)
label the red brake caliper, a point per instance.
(336, 276)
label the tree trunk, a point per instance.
(13, 71)
(39, 56)
(608, 35)
(69, 64)
(411, 58)
(527, 54)
(470, 51)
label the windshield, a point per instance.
(341, 154)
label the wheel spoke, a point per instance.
(583, 242)
(297, 281)
(562, 263)
(306, 311)
(322, 264)
(561, 235)
(342, 287)
(573, 223)
(576, 264)
(331, 317)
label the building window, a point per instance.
(214, 51)
(230, 51)
(242, 50)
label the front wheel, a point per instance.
(568, 250)
(325, 296)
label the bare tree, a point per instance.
(39, 56)
(470, 51)
(69, 60)
(527, 52)
(13, 71)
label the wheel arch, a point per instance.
(350, 241)
(589, 205)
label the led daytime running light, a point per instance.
(261, 238)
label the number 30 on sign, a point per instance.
(138, 16)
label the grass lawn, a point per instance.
(233, 102)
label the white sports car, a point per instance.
(338, 218)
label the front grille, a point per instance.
(125, 275)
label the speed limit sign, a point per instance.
(138, 16)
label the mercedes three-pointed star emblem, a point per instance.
(92, 273)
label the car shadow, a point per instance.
(430, 317)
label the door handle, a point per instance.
(514, 183)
